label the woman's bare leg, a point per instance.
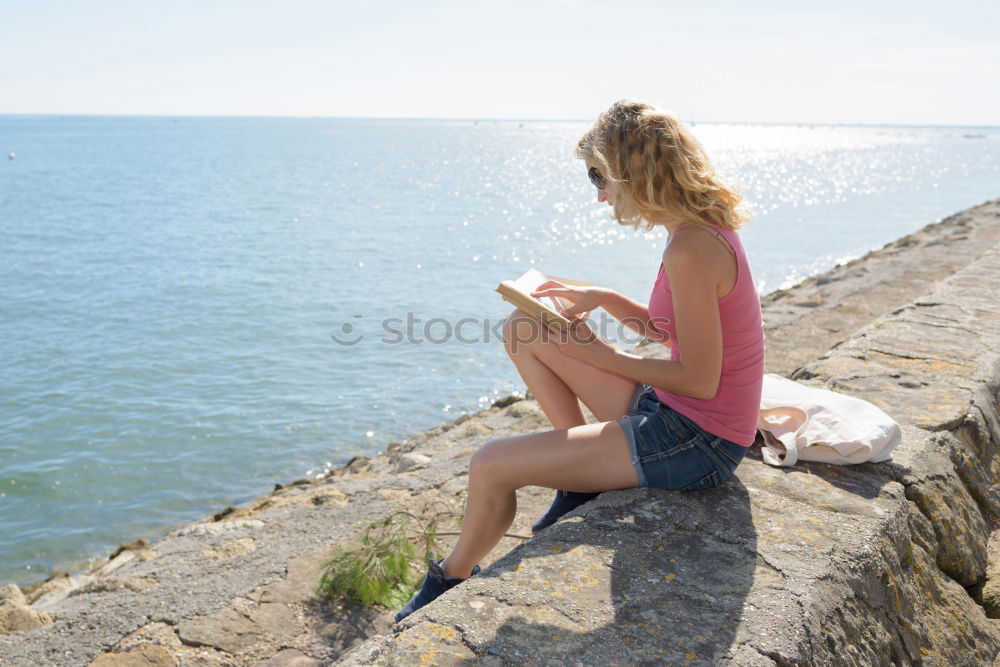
(558, 381)
(591, 457)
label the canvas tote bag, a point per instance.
(803, 423)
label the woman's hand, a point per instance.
(580, 342)
(583, 299)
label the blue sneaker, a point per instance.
(435, 583)
(565, 502)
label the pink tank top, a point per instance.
(732, 413)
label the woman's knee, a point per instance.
(521, 331)
(489, 465)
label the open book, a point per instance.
(548, 309)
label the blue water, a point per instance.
(169, 287)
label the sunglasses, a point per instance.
(596, 178)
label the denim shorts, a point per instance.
(670, 451)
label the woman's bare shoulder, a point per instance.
(693, 252)
(688, 243)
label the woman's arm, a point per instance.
(695, 269)
(699, 330)
(631, 313)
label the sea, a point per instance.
(194, 309)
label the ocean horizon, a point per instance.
(689, 122)
(195, 308)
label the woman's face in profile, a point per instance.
(606, 191)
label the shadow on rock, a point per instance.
(342, 626)
(646, 575)
(864, 480)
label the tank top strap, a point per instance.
(717, 234)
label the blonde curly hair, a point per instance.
(660, 167)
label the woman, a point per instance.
(683, 423)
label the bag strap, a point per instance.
(788, 420)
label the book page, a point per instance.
(531, 279)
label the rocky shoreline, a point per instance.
(237, 588)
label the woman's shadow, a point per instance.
(646, 575)
(640, 575)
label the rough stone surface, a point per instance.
(35, 591)
(15, 617)
(12, 593)
(66, 586)
(290, 658)
(147, 656)
(235, 629)
(412, 461)
(823, 310)
(990, 592)
(860, 563)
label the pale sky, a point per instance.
(836, 61)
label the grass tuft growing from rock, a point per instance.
(382, 568)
